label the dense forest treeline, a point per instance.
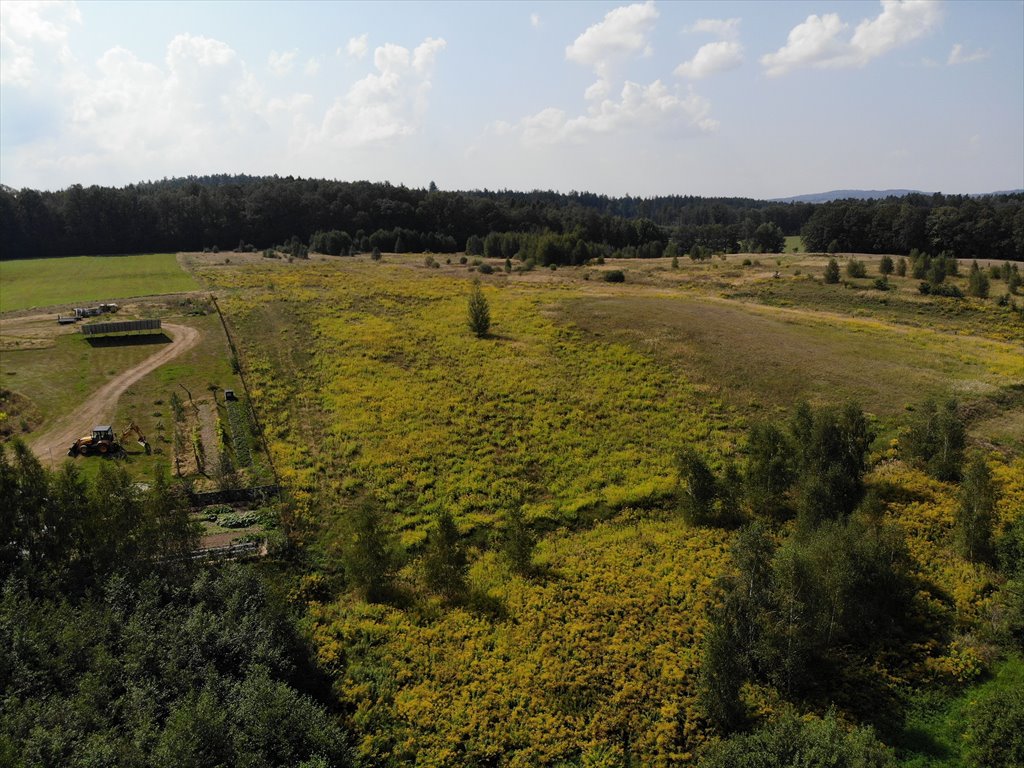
(226, 211)
(116, 648)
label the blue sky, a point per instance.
(762, 99)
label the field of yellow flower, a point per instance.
(369, 383)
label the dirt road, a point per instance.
(52, 446)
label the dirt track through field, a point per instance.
(52, 446)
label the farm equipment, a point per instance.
(104, 442)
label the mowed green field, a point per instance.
(28, 283)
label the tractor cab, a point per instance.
(102, 440)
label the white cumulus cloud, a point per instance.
(612, 109)
(711, 58)
(727, 29)
(819, 41)
(535, 20)
(623, 32)
(358, 46)
(960, 55)
(281, 63)
(653, 107)
(33, 33)
(384, 105)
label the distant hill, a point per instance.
(870, 194)
(848, 194)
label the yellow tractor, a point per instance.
(103, 441)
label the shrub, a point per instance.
(832, 272)
(885, 266)
(977, 282)
(881, 284)
(486, 269)
(901, 267)
(615, 276)
(855, 268)
(947, 290)
(793, 741)
(995, 730)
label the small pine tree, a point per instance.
(479, 312)
(370, 561)
(901, 267)
(885, 265)
(832, 271)
(698, 489)
(975, 517)
(977, 282)
(444, 562)
(675, 262)
(517, 541)
(936, 438)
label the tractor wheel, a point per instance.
(104, 447)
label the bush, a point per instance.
(995, 730)
(885, 266)
(881, 284)
(832, 272)
(615, 276)
(855, 268)
(947, 290)
(977, 282)
(486, 269)
(791, 741)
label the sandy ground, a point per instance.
(52, 446)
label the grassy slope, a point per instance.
(48, 282)
(756, 357)
(369, 380)
(934, 736)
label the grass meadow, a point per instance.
(370, 384)
(29, 283)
